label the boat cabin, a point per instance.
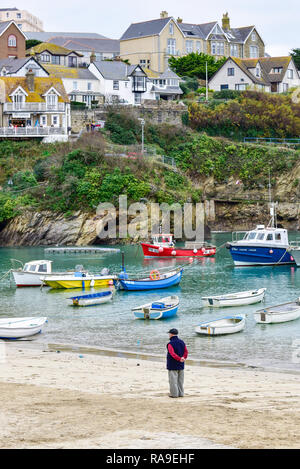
(38, 267)
(163, 239)
(267, 235)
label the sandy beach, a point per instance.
(64, 399)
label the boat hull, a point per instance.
(25, 279)
(222, 326)
(149, 313)
(90, 300)
(17, 328)
(151, 250)
(81, 282)
(249, 255)
(227, 300)
(295, 253)
(278, 314)
(148, 284)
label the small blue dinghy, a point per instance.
(162, 309)
(91, 300)
(156, 280)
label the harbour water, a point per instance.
(112, 325)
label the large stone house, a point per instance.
(271, 74)
(151, 43)
(12, 41)
(24, 19)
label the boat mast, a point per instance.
(272, 205)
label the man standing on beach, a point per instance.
(177, 354)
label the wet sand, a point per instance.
(75, 400)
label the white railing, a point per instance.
(27, 107)
(31, 131)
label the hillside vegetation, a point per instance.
(78, 176)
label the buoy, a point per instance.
(173, 253)
(195, 251)
(271, 252)
(160, 249)
(154, 275)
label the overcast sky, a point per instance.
(276, 21)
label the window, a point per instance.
(277, 236)
(55, 121)
(257, 71)
(72, 61)
(260, 236)
(19, 15)
(137, 98)
(56, 59)
(290, 73)
(75, 85)
(115, 85)
(241, 86)
(230, 72)
(217, 48)
(285, 87)
(42, 268)
(89, 86)
(198, 47)
(234, 50)
(269, 237)
(45, 57)
(277, 70)
(224, 87)
(51, 101)
(12, 41)
(20, 25)
(253, 52)
(171, 46)
(253, 36)
(171, 28)
(18, 101)
(252, 235)
(43, 121)
(188, 46)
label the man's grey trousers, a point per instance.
(176, 380)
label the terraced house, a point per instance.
(151, 43)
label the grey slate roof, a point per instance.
(46, 36)
(145, 28)
(239, 34)
(169, 74)
(115, 70)
(3, 26)
(14, 65)
(88, 44)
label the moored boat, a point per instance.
(294, 251)
(235, 299)
(156, 280)
(280, 313)
(17, 328)
(161, 309)
(91, 300)
(222, 326)
(162, 245)
(79, 280)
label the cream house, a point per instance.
(151, 43)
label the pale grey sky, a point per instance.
(277, 22)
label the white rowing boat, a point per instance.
(235, 299)
(17, 328)
(279, 313)
(222, 326)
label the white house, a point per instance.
(80, 84)
(123, 83)
(270, 74)
(19, 67)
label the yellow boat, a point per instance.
(75, 281)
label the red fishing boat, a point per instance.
(163, 246)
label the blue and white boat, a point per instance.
(162, 309)
(156, 280)
(262, 245)
(91, 300)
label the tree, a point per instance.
(194, 65)
(32, 43)
(296, 56)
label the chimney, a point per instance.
(226, 21)
(93, 57)
(179, 20)
(30, 80)
(164, 14)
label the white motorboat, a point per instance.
(279, 313)
(17, 328)
(30, 274)
(235, 299)
(222, 326)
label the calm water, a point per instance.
(112, 325)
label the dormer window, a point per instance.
(51, 100)
(277, 69)
(12, 41)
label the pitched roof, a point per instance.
(5, 24)
(41, 86)
(70, 72)
(242, 63)
(169, 74)
(88, 44)
(14, 65)
(145, 28)
(239, 34)
(115, 70)
(47, 36)
(52, 48)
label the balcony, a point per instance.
(33, 107)
(13, 132)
